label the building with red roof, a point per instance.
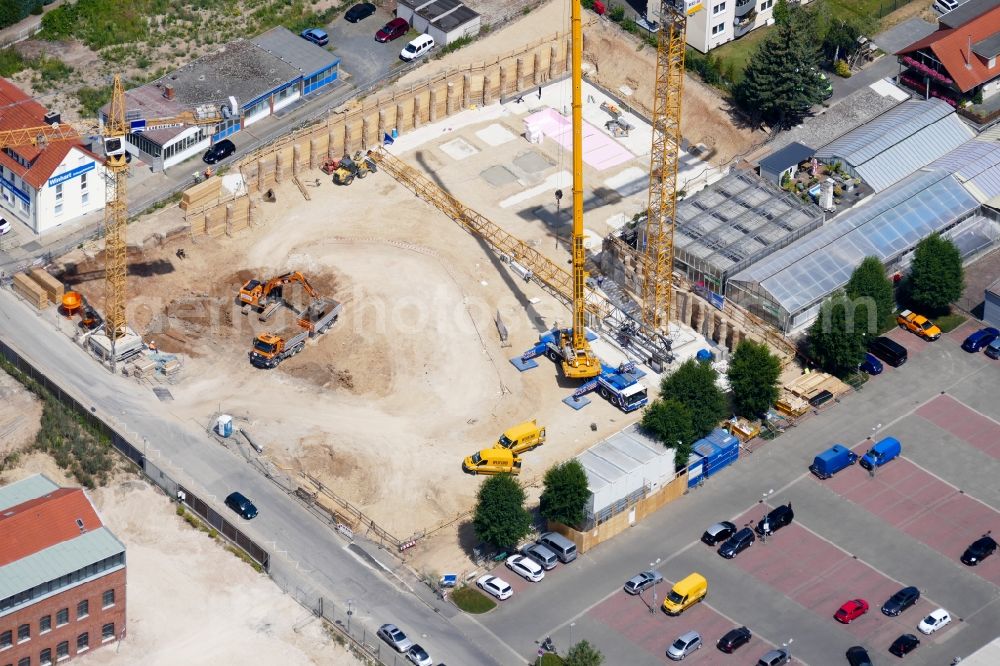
(62, 575)
(46, 185)
(960, 61)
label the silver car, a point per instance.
(541, 554)
(684, 645)
(640, 582)
(774, 658)
(395, 637)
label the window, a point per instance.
(82, 609)
(108, 632)
(59, 192)
(83, 182)
(83, 642)
(718, 29)
(108, 599)
(84, 198)
(24, 633)
(62, 617)
(24, 661)
(24, 205)
(62, 651)
(45, 657)
(59, 208)
(6, 640)
(45, 624)
(766, 5)
(719, 8)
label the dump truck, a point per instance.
(522, 437)
(350, 167)
(918, 324)
(270, 349)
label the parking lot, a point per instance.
(360, 55)
(857, 535)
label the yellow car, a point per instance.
(918, 324)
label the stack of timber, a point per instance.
(53, 288)
(30, 291)
(202, 195)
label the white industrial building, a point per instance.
(623, 469)
(444, 20)
(45, 185)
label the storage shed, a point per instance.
(444, 20)
(623, 469)
(712, 454)
(775, 166)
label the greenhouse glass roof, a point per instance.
(886, 227)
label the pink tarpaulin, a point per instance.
(600, 151)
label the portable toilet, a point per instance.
(224, 425)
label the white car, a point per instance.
(526, 568)
(419, 656)
(4, 226)
(937, 619)
(495, 586)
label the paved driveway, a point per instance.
(360, 55)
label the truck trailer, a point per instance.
(270, 349)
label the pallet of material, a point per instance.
(143, 366)
(53, 287)
(30, 291)
(171, 367)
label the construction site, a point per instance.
(372, 334)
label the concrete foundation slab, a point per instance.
(458, 149)
(628, 182)
(495, 135)
(498, 176)
(532, 161)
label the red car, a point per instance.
(394, 29)
(851, 611)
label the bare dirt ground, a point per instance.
(189, 600)
(20, 415)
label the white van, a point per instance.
(945, 6)
(419, 46)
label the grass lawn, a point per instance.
(550, 659)
(950, 322)
(472, 600)
(738, 52)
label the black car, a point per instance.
(979, 550)
(734, 639)
(359, 12)
(718, 533)
(858, 656)
(904, 645)
(737, 543)
(900, 601)
(774, 521)
(219, 151)
(239, 503)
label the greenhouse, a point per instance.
(788, 287)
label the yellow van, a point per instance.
(522, 437)
(685, 593)
(493, 461)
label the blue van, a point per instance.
(883, 451)
(831, 461)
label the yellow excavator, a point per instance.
(260, 295)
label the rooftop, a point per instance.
(976, 164)
(301, 54)
(987, 48)
(25, 489)
(455, 19)
(967, 11)
(783, 158)
(857, 108)
(39, 523)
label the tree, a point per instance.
(869, 287)
(753, 376)
(781, 12)
(670, 421)
(500, 518)
(694, 386)
(781, 82)
(565, 493)
(936, 277)
(836, 342)
(583, 654)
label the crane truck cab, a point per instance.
(522, 437)
(492, 461)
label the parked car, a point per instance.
(394, 29)
(979, 550)
(883, 451)
(718, 533)
(359, 12)
(888, 350)
(395, 637)
(4, 226)
(871, 364)
(495, 587)
(934, 621)
(734, 639)
(525, 567)
(775, 658)
(918, 324)
(945, 6)
(418, 656)
(239, 503)
(684, 645)
(417, 47)
(993, 349)
(775, 520)
(831, 461)
(316, 36)
(904, 645)
(980, 339)
(737, 543)
(900, 601)
(851, 610)
(219, 151)
(858, 656)
(541, 554)
(638, 583)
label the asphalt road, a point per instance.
(585, 600)
(307, 551)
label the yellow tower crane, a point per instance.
(116, 203)
(657, 285)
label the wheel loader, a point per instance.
(360, 165)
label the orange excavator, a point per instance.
(266, 297)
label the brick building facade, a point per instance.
(62, 575)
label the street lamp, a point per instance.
(350, 612)
(788, 647)
(764, 527)
(874, 438)
(652, 568)
(571, 625)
